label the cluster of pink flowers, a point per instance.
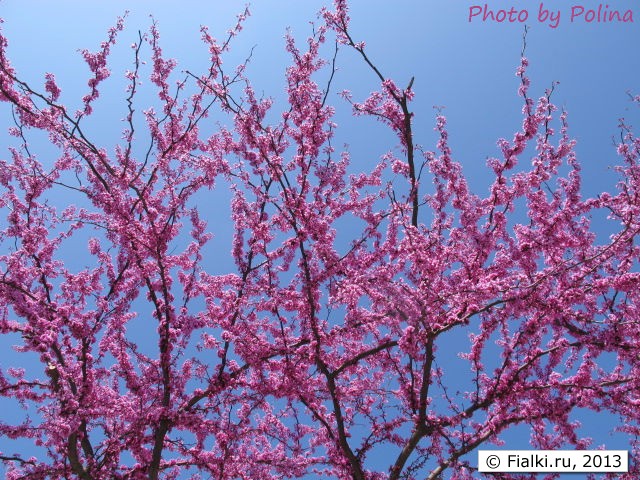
(314, 354)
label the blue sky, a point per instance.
(467, 67)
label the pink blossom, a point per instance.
(140, 352)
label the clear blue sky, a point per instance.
(467, 67)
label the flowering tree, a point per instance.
(314, 353)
